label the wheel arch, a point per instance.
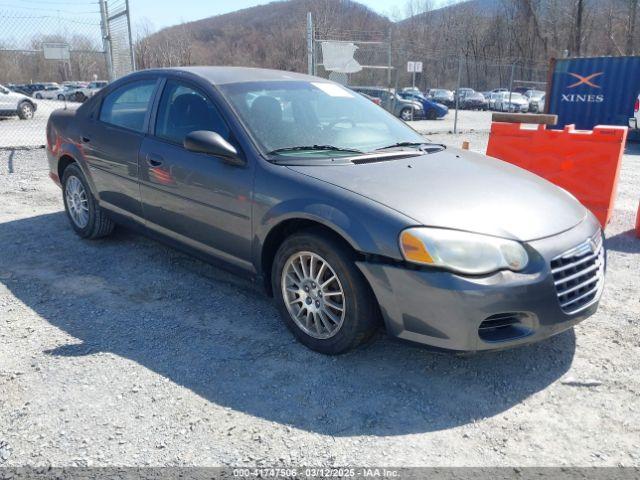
(63, 162)
(281, 231)
(68, 157)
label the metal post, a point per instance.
(457, 98)
(310, 44)
(513, 69)
(131, 49)
(106, 39)
(389, 61)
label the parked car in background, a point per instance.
(347, 216)
(394, 103)
(634, 122)
(411, 90)
(375, 100)
(534, 97)
(511, 102)
(442, 96)
(431, 110)
(14, 103)
(83, 93)
(48, 91)
(491, 99)
(71, 89)
(461, 93)
(473, 101)
(17, 88)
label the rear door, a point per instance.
(112, 140)
(197, 199)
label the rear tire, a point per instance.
(38, 96)
(87, 219)
(353, 314)
(25, 111)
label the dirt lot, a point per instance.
(126, 352)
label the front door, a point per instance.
(195, 198)
(111, 142)
(7, 100)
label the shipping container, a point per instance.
(593, 91)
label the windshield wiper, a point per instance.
(403, 144)
(312, 148)
(422, 146)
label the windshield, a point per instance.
(284, 116)
(515, 96)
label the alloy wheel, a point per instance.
(27, 111)
(77, 202)
(313, 295)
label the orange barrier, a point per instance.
(585, 163)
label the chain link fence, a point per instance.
(54, 57)
(372, 62)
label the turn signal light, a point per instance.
(414, 249)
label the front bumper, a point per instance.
(633, 123)
(445, 310)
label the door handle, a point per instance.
(154, 160)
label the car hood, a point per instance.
(460, 190)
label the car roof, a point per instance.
(226, 75)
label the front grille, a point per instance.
(578, 274)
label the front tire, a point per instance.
(87, 219)
(405, 114)
(323, 298)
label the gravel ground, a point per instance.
(125, 352)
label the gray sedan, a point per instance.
(348, 217)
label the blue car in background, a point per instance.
(432, 110)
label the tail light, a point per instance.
(636, 107)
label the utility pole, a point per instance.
(106, 39)
(310, 62)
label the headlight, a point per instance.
(463, 252)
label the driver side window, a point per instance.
(183, 110)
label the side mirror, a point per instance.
(211, 143)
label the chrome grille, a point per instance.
(578, 274)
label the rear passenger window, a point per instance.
(127, 106)
(183, 110)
